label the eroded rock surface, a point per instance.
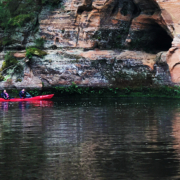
(105, 24)
(94, 68)
(105, 41)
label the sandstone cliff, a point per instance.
(98, 43)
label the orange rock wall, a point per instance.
(76, 24)
(92, 24)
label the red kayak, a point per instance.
(36, 98)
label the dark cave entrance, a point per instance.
(161, 41)
(153, 39)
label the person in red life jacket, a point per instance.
(5, 95)
(23, 94)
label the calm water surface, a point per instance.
(90, 139)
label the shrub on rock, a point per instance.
(32, 51)
(10, 60)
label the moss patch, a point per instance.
(32, 51)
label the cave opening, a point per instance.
(83, 8)
(153, 39)
(161, 40)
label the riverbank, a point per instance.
(74, 90)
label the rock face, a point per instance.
(94, 68)
(106, 43)
(106, 68)
(108, 24)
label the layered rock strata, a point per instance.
(94, 68)
(92, 33)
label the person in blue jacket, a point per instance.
(5, 95)
(24, 94)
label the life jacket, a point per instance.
(22, 95)
(4, 95)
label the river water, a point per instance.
(90, 139)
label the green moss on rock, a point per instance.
(32, 51)
(19, 80)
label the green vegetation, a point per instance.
(19, 69)
(20, 20)
(32, 51)
(7, 77)
(40, 43)
(35, 92)
(10, 67)
(6, 41)
(10, 60)
(74, 90)
(19, 80)
(158, 91)
(164, 91)
(17, 13)
(51, 2)
(1, 77)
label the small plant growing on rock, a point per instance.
(18, 69)
(20, 20)
(40, 43)
(1, 77)
(10, 60)
(32, 51)
(6, 77)
(10, 67)
(19, 80)
(6, 41)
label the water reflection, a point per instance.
(89, 139)
(4, 106)
(21, 140)
(25, 104)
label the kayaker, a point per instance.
(5, 95)
(24, 94)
